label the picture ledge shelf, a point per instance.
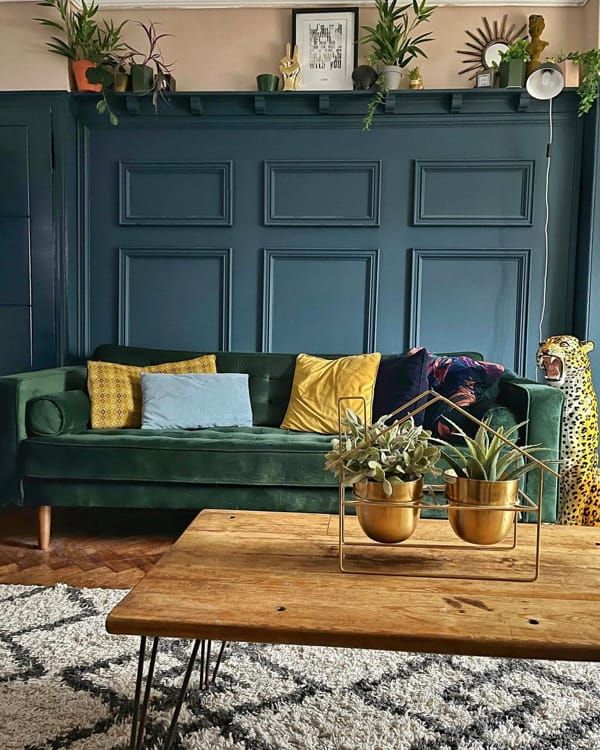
(349, 105)
(199, 4)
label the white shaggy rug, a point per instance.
(66, 683)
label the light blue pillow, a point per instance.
(187, 402)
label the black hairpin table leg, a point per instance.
(138, 725)
(140, 712)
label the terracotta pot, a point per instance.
(79, 68)
(488, 526)
(388, 519)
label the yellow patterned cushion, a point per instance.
(319, 383)
(116, 392)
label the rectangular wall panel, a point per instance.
(15, 276)
(14, 170)
(473, 300)
(175, 298)
(322, 193)
(15, 339)
(175, 193)
(473, 193)
(322, 301)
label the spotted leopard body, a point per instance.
(580, 475)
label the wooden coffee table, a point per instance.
(274, 578)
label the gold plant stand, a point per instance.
(525, 504)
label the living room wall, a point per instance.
(225, 49)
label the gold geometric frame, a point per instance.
(524, 505)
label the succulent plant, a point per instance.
(389, 454)
(486, 456)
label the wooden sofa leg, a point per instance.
(44, 515)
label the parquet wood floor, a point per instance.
(90, 547)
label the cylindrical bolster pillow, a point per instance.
(58, 413)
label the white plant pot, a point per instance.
(392, 75)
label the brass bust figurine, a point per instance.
(290, 69)
(537, 45)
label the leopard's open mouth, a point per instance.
(552, 367)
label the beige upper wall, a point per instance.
(226, 49)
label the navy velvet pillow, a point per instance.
(400, 379)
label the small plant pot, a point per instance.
(121, 82)
(80, 68)
(388, 519)
(481, 526)
(267, 82)
(512, 74)
(142, 78)
(392, 75)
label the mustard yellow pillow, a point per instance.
(319, 383)
(116, 392)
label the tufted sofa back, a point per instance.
(270, 375)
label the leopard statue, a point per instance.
(565, 363)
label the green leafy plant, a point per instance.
(394, 42)
(391, 39)
(486, 456)
(390, 454)
(589, 65)
(82, 37)
(516, 51)
(154, 59)
(414, 73)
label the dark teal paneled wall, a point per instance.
(28, 263)
(250, 222)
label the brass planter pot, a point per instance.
(481, 526)
(388, 519)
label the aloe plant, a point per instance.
(382, 453)
(486, 456)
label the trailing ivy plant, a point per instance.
(589, 66)
(390, 454)
(393, 41)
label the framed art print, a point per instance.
(327, 40)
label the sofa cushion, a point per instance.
(57, 413)
(116, 392)
(236, 456)
(270, 375)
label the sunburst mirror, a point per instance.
(486, 44)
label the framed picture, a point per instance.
(485, 79)
(327, 40)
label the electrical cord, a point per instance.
(546, 220)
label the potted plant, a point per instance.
(149, 72)
(512, 66)
(394, 44)
(415, 79)
(485, 471)
(84, 42)
(589, 76)
(385, 464)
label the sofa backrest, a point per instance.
(270, 375)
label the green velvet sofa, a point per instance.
(50, 457)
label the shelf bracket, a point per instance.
(196, 107)
(523, 102)
(132, 103)
(323, 104)
(456, 103)
(390, 104)
(260, 104)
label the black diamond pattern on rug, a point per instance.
(66, 683)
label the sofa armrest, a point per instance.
(15, 393)
(541, 406)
